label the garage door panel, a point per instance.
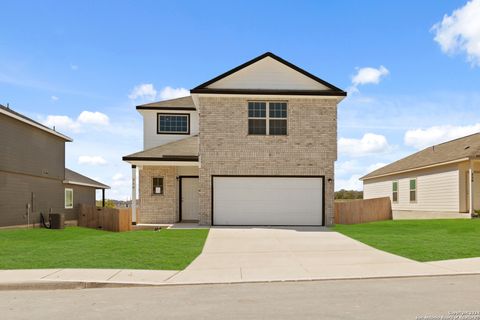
(267, 201)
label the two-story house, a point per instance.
(253, 146)
(33, 177)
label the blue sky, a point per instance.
(76, 65)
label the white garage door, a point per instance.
(267, 201)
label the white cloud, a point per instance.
(352, 183)
(172, 93)
(92, 160)
(370, 143)
(54, 98)
(144, 91)
(460, 32)
(147, 92)
(369, 75)
(119, 180)
(61, 123)
(74, 67)
(422, 138)
(86, 118)
(93, 118)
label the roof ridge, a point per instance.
(459, 138)
(330, 86)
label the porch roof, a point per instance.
(177, 151)
(451, 151)
(72, 177)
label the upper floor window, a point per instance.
(171, 123)
(267, 118)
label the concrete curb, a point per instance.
(78, 285)
(67, 285)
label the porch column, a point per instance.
(134, 194)
(103, 198)
(471, 187)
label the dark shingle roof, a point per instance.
(461, 148)
(72, 177)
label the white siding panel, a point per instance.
(437, 189)
(150, 136)
(268, 73)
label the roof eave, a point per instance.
(329, 93)
(367, 177)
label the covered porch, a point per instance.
(165, 179)
(470, 186)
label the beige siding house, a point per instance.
(433, 183)
(253, 146)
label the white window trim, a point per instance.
(267, 118)
(410, 190)
(185, 115)
(65, 200)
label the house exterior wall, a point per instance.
(81, 195)
(152, 139)
(44, 156)
(438, 189)
(44, 195)
(310, 148)
(158, 209)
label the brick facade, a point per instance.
(156, 208)
(310, 148)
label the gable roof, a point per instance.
(20, 117)
(451, 151)
(181, 150)
(183, 103)
(330, 90)
(72, 177)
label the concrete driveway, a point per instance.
(273, 254)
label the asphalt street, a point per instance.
(400, 298)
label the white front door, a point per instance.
(268, 201)
(189, 199)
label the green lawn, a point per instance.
(421, 240)
(76, 247)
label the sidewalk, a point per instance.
(90, 278)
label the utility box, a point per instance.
(57, 220)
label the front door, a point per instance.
(189, 199)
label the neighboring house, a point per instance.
(33, 177)
(436, 181)
(253, 146)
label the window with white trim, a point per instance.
(267, 118)
(68, 198)
(173, 123)
(413, 190)
(395, 191)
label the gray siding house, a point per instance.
(33, 177)
(253, 146)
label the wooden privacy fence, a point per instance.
(361, 211)
(109, 219)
